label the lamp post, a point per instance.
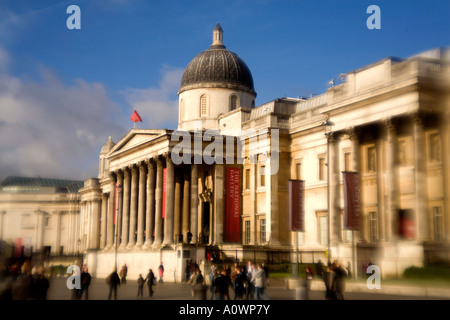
(328, 133)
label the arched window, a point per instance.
(181, 110)
(234, 102)
(203, 105)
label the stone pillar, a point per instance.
(185, 212)
(141, 205)
(445, 134)
(57, 224)
(253, 200)
(110, 223)
(119, 211)
(150, 207)
(169, 211)
(335, 197)
(133, 206)
(40, 229)
(391, 152)
(95, 218)
(219, 204)
(125, 207)
(2, 213)
(102, 222)
(194, 202)
(177, 209)
(380, 180)
(158, 204)
(421, 212)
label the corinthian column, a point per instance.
(150, 208)
(125, 207)
(185, 212)
(169, 211)
(194, 202)
(141, 207)
(133, 206)
(158, 204)
(110, 223)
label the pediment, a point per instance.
(136, 138)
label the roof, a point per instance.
(69, 186)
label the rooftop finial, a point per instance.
(218, 36)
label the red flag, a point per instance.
(352, 194)
(297, 205)
(135, 117)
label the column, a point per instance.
(40, 229)
(219, 204)
(185, 213)
(57, 223)
(356, 167)
(380, 180)
(119, 211)
(445, 129)
(391, 151)
(177, 209)
(253, 200)
(141, 204)
(102, 222)
(2, 213)
(133, 206)
(194, 202)
(170, 193)
(335, 207)
(158, 205)
(150, 207)
(421, 212)
(110, 223)
(125, 207)
(95, 217)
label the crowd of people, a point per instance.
(228, 282)
(26, 282)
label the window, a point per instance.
(322, 171)
(203, 105)
(435, 147)
(373, 226)
(322, 226)
(262, 176)
(233, 102)
(438, 224)
(181, 110)
(298, 171)
(262, 231)
(247, 232)
(371, 159)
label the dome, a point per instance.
(217, 67)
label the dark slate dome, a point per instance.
(217, 67)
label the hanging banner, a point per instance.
(233, 205)
(164, 193)
(352, 195)
(297, 205)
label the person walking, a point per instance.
(140, 283)
(197, 283)
(239, 284)
(339, 280)
(259, 279)
(123, 274)
(161, 272)
(113, 281)
(150, 282)
(85, 279)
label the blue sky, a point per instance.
(63, 92)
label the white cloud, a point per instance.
(158, 107)
(50, 129)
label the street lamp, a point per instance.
(328, 133)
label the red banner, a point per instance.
(352, 195)
(297, 205)
(164, 192)
(233, 205)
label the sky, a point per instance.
(64, 91)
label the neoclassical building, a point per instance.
(219, 183)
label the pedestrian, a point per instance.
(211, 277)
(328, 278)
(221, 284)
(123, 274)
(259, 280)
(85, 279)
(150, 282)
(113, 281)
(240, 283)
(140, 283)
(161, 272)
(40, 285)
(339, 280)
(250, 287)
(197, 283)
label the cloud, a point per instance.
(51, 129)
(158, 107)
